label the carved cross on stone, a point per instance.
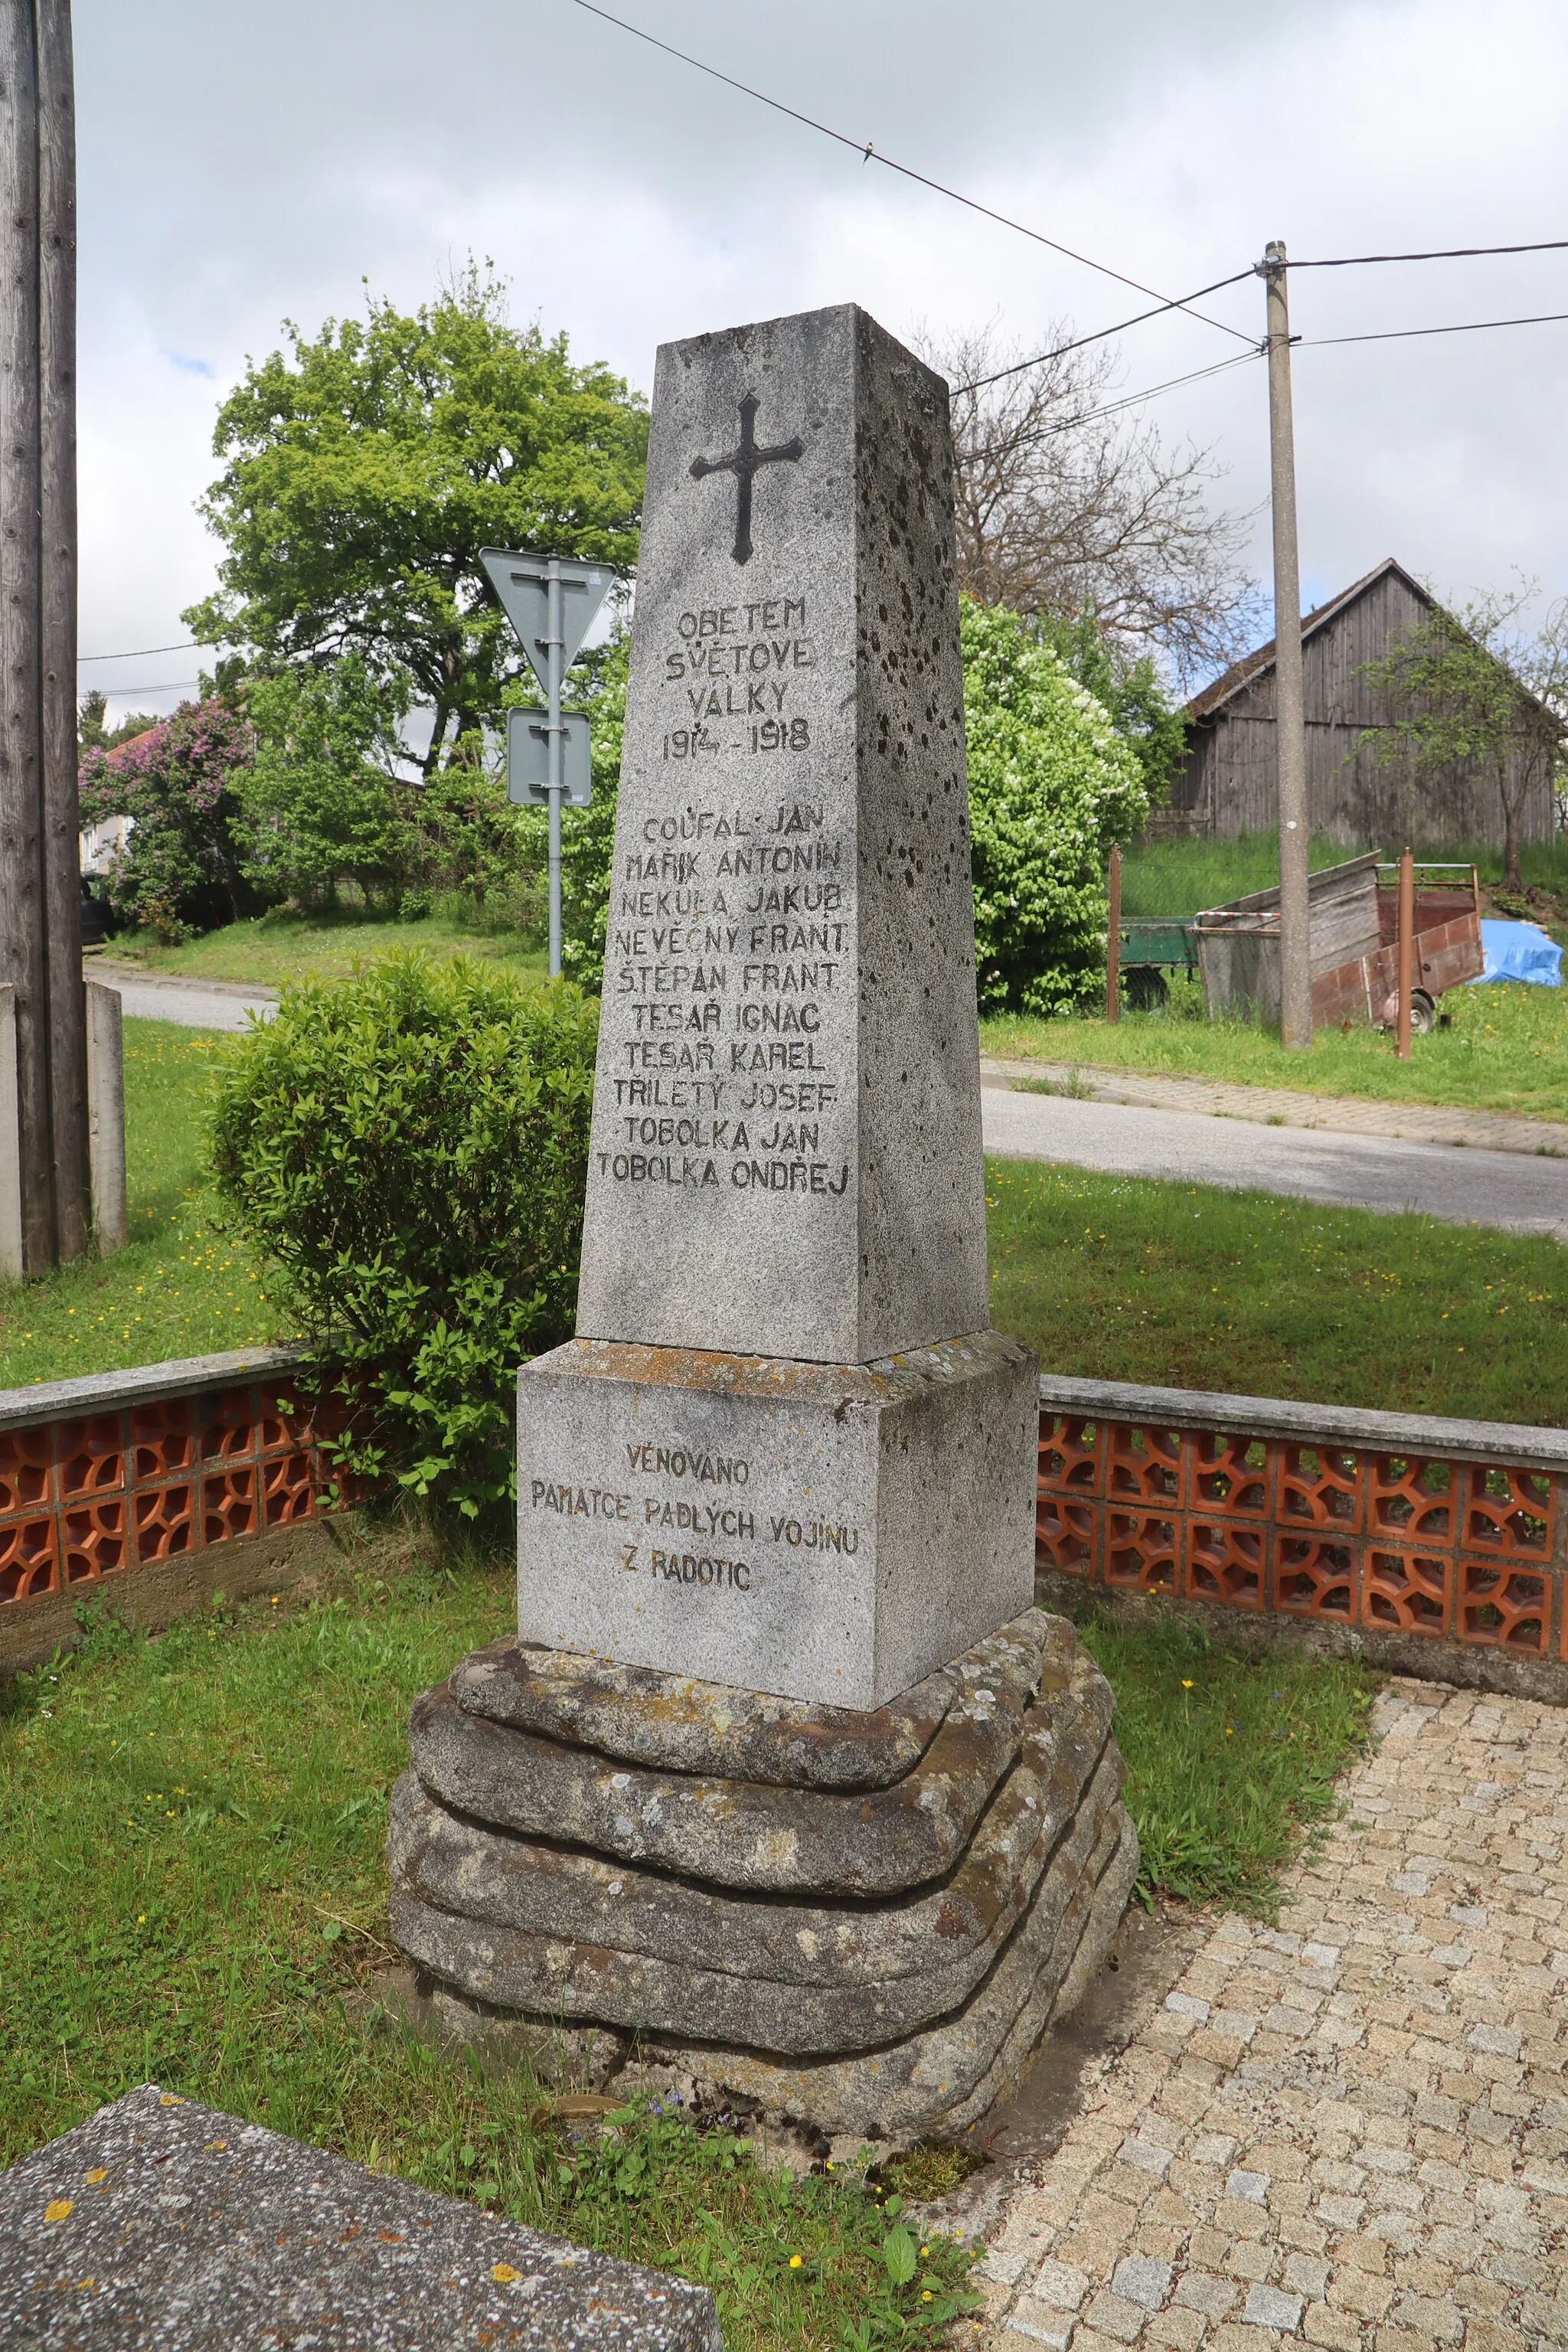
(744, 463)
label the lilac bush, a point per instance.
(180, 868)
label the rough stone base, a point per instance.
(878, 1959)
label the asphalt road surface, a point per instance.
(1511, 1190)
(194, 1004)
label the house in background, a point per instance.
(1229, 782)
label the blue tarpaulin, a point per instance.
(1520, 951)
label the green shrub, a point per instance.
(409, 1148)
(1051, 787)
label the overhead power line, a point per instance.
(185, 645)
(1059, 350)
(868, 154)
(1114, 408)
(146, 686)
(1467, 327)
(1452, 253)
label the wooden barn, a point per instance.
(1227, 783)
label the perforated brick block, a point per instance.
(91, 1457)
(94, 1541)
(1411, 1500)
(1320, 1487)
(164, 1521)
(26, 1470)
(1143, 1551)
(1229, 1477)
(1065, 1535)
(1507, 1608)
(1511, 1512)
(30, 1560)
(1409, 1591)
(1145, 1465)
(1315, 1577)
(1071, 1455)
(1224, 1563)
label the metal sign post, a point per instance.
(550, 601)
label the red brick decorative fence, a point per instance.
(136, 1480)
(1437, 1546)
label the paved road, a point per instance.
(210, 1004)
(1506, 1188)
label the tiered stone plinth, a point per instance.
(864, 1921)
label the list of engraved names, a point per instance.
(730, 945)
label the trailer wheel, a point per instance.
(1423, 1013)
(1145, 989)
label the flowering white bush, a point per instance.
(1051, 787)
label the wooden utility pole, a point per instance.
(1290, 718)
(40, 885)
(1113, 941)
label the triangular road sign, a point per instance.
(522, 583)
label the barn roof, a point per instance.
(1257, 665)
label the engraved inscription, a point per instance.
(730, 933)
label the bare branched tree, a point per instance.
(1065, 507)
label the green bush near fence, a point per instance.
(406, 1152)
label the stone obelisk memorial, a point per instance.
(784, 1786)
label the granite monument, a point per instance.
(785, 1791)
(785, 1451)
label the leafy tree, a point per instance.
(1129, 688)
(181, 783)
(318, 805)
(1065, 502)
(1475, 687)
(1051, 787)
(461, 833)
(93, 732)
(365, 467)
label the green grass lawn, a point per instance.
(1175, 879)
(1123, 1278)
(281, 945)
(192, 1885)
(1506, 1049)
(1228, 1757)
(1113, 1278)
(180, 1287)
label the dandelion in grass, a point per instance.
(795, 2261)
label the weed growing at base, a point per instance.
(1183, 1285)
(1229, 1758)
(191, 1883)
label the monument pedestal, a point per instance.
(862, 1921)
(826, 1532)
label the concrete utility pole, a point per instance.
(1289, 719)
(41, 886)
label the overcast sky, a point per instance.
(243, 163)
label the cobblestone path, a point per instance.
(1353, 2131)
